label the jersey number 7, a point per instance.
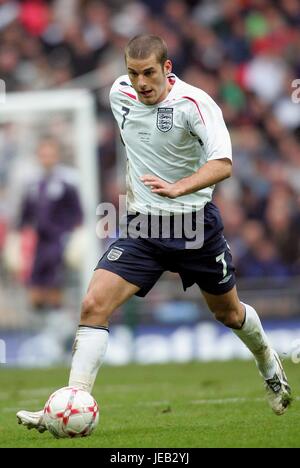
(125, 113)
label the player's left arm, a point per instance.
(205, 122)
(211, 173)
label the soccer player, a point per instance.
(177, 149)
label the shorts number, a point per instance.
(221, 258)
(125, 113)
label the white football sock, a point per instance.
(89, 350)
(254, 337)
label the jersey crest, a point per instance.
(164, 121)
(114, 254)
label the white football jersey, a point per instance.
(171, 139)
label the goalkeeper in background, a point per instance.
(51, 206)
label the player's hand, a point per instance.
(160, 186)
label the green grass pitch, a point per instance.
(216, 404)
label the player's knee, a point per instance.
(94, 309)
(229, 317)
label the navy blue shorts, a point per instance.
(141, 261)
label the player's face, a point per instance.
(149, 78)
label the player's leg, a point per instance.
(211, 267)
(244, 321)
(107, 291)
(130, 266)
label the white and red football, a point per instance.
(71, 412)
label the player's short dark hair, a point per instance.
(142, 46)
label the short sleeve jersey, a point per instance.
(171, 139)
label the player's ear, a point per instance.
(167, 67)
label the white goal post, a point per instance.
(22, 106)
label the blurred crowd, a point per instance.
(244, 53)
